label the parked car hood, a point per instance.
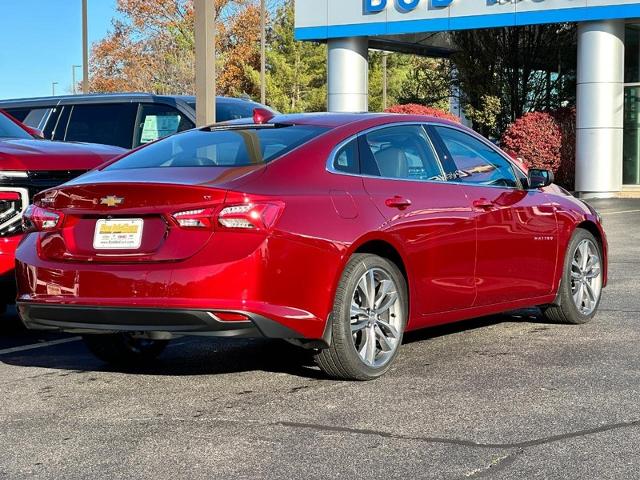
(27, 154)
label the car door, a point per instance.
(517, 229)
(430, 216)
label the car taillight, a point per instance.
(245, 216)
(198, 218)
(249, 216)
(38, 219)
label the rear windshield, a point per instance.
(234, 147)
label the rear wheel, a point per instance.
(368, 319)
(581, 285)
(124, 349)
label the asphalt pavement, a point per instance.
(502, 397)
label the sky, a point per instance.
(41, 39)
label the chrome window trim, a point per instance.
(24, 198)
(331, 159)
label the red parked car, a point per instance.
(337, 232)
(29, 165)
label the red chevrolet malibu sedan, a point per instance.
(337, 232)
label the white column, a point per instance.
(600, 99)
(348, 72)
(205, 37)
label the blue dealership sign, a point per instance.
(323, 19)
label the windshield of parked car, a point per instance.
(9, 129)
(220, 147)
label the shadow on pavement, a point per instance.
(208, 356)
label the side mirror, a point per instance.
(538, 178)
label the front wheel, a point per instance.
(124, 349)
(368, 319)
(581, 284)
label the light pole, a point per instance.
(205, 33)
(85, 49)
(74, 88)
(53, 88)
(385, 55)
(263, 43)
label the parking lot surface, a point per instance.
(500, 397)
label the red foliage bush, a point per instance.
(566, 120)
(415, 109)
(535, 137)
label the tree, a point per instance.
(528, 68)
(152, 48)
(428, 83)
(296, 71)
(241, 54)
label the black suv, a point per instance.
(123, 119)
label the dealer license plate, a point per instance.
(118, 234)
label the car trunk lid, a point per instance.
(125, 221)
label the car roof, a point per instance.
(333, 120)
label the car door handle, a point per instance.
(483, 204)
(397, 202)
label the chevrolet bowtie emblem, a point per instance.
(111, 201)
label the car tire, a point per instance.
(580, 288)
(3, 309)
(366, 332)
(123, 349)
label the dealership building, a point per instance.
(608, 64)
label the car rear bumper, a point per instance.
(221, 278)
(97, 319)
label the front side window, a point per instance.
(402, 152)
(157, 121)
(109, 124)
(229, 147)
(476, 162)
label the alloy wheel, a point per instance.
(376, 317)
(586, 278)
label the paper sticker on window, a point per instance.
(157, 126)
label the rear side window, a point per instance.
(38, 118)
(157, 121)
(232, 147)
(402, 152)
(233, 111)
(346, 158)
(109, 124)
